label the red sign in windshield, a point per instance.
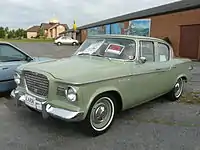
(114, 48)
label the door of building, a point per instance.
(189, 41)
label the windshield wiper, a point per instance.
(83, 54)
(98, 55)
(12, 60)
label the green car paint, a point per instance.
(134, 82)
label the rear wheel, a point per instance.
(59, 43)
(74, 43)
(100, 116)
(177, 90)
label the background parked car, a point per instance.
(10, 58)
(66, 40)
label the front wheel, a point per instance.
(100, 115)
(177, 90)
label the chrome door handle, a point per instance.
(173, 66)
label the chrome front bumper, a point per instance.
(48, 110)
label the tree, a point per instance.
(2, 32)
(8, 33)
(41, 32)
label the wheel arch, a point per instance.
(183, 76)
(113, 91)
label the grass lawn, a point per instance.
(190, 98)
(27, 40)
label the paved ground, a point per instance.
(158, 125)
(47, 49)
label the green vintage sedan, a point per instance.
(106, 75)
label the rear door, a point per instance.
(10, 59)
(165, 67)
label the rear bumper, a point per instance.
(47, 109)
(7, 85)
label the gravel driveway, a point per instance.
(158, 125)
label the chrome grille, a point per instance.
(36, 83)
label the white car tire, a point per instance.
(74, 44)
(59, 43)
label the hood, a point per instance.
(36, 59)
(82, 69)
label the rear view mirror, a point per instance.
(28, 59)
(142, 59)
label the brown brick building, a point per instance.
(179, 21)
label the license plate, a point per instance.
(32, 102)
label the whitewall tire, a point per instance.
(100, 115)
(177, 90)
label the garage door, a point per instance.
(189, 41)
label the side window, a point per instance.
(147, 50)
(163, 52)
(8, 52)
(63, 38)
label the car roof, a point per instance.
(125, 37)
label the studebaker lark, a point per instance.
(107, 74)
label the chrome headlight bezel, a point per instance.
(17, 78)
(71, 94)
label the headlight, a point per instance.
(17, 78)
(71, 94)
(190, 67)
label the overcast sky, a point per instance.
(25, 13)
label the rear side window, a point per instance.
(147, 50)
(163, 52)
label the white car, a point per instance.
(66, 40)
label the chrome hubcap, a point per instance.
(102, 114)
(179, 87)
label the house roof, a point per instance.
(33, 29)
(47, 26)
(182, 5)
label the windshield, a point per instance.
(117, 48)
